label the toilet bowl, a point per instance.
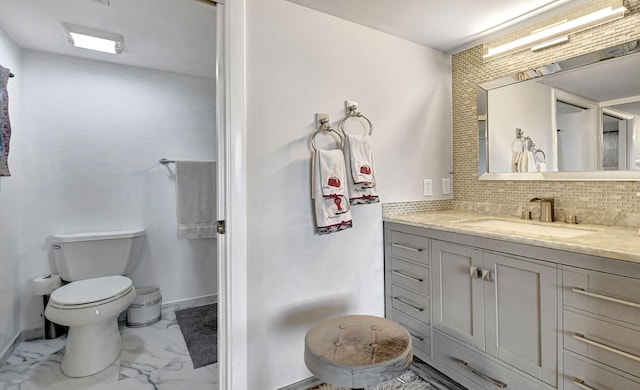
(90, 309)
(94, 265)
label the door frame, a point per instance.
(231, 200)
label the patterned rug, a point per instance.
(412, 382)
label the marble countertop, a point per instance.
(597, 240)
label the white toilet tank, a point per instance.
(81, 256)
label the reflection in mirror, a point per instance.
(581, 113)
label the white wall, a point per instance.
(10, 218)
(300, 62)
(90, 143)
(530, 106)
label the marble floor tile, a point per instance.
(153, 357)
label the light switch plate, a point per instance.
(446, 186)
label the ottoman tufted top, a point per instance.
(357, 350)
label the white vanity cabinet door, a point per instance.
(521, 314)
(458, 297)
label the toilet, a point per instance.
(94, 264)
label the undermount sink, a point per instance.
(527, 228)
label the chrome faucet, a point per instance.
(546, 209)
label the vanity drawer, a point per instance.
(410, 246)
(486, 373)
(410, 275)
(580, 374)
(420, 333)
(410, 303)
(612, 296)
(608, 343)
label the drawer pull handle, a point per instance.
(496, 382)
(605, 297)
(580, 337)
(419, 280)
(580, 384)
(414, 307)
(411, 332)
(407, 247)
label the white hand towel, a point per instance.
(523, 161)
(331, 172)
(360, 170)
(331, 205)
(541, 167)
(196, 199)
(515, 160)
(531, 162)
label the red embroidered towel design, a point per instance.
(332, 208)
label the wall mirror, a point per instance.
(576, 119)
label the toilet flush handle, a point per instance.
(56, 246)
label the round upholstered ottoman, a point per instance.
(357, 351)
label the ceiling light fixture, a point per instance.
(88, 38)
(615, 11)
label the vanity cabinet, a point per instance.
(601, 323)
(496, 314)
(504, 306)
(408, 286)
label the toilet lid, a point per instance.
(86, 291)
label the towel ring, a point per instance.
(355, 114)
(329, 129)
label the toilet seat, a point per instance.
(91, 292)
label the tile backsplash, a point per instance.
(602, 202)
(416, 206)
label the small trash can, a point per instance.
(145, 309)
(45, 286)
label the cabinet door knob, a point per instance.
(475, 272)
(487, 275)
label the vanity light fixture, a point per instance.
(88, 38)
(613, 12)
(549, 43)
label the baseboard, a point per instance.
(170, 307)
(8, 351)
(166, 311)
(303, 384)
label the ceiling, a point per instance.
(446, 25)
(179, 35)
(170, 35)
(603, 81)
